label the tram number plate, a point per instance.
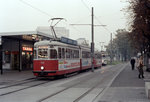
(43, 73)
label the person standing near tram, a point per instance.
(140, 65)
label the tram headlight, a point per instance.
(42, 67)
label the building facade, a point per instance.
(17, 48)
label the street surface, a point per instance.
(116, 83)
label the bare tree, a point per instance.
(139, 11)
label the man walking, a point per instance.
(132, 61)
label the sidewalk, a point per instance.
(14, 75)
(127, 87)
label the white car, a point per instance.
(104, 62)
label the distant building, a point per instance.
(83, 41)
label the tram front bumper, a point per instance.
(43, 73)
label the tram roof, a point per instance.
(48, 42)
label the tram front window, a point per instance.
(43, 53)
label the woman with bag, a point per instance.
(140, 67)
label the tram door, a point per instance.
(15, 60)
(27, 60)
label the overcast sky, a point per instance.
(17, 15)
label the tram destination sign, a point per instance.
(68, 41)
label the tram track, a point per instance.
(22, 82)
(91, 89)
(20, 89)
(58, 92)
(19, 83)
(71, 86)
(96, 85)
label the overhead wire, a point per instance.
(43, 12)
(85, 5)
(24, 2)
(102, 24)
(95, 16)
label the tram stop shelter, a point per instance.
(17, 49)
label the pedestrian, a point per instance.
(140, 67)
(132, 61)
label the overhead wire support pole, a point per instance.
(92, 43)
(111, 48)
(92, 37)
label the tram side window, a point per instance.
(53, 53)
(59, 53)
(42, 53)
(88, 55)
(85, 54)
(76, 54)
(71, 53)
(67, 53)
(63, 53)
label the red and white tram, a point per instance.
(53, 58)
